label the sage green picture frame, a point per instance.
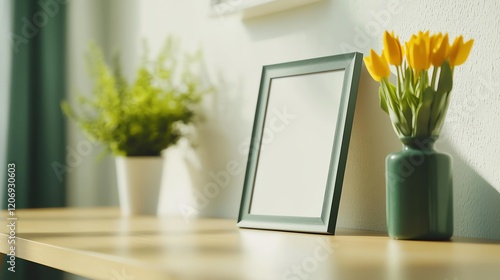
(350, 64)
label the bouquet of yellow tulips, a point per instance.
(417, 104)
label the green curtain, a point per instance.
(36, 135)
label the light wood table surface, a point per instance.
(99, 244)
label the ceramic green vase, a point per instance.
(419, 192)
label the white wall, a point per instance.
(236, 49)
(235, 52)
(112, 25)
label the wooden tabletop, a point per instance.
(99, 244)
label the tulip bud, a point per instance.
(439, 46)
(459, 51)
(377, 66)
(392, 49)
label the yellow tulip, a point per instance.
(439, 49)
(418, 52)
(459, 51)
(377, 66)
(409, 51)
(392, 49)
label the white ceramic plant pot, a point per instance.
(139, 181)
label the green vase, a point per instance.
(419, 192)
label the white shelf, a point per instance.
(254, 8)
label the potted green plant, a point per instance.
(137, 121)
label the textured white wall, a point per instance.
(472, 131)
(235, 51)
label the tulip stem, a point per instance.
(423, 83)
(400, 77)
(434, 74)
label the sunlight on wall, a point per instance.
(236, 49)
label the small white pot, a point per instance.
(139, 181)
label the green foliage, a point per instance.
(417, 106)
(144, 117)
